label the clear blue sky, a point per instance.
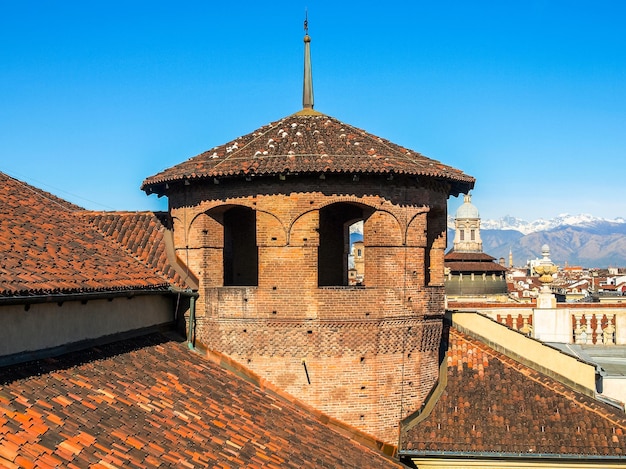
(528, 97)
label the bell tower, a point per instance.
(467, 228)
(264, 222)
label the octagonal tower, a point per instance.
(264, 222)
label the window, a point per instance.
(241, 258)
(334, 247)
(473, 235)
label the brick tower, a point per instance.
(263, 221)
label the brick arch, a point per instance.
(304, 229)
(215, 206)
(271, 231)
(382, 228)
(206, 230)
(346, 200)
(229, 232)
(415, 233)
(435, 221)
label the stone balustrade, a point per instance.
(585, 324)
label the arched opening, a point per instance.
(241, 258)
(334, 253)
(435, 246)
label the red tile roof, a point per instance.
(468, 256)
(150, 402)
(472, 262)
(143, 235)
(493, 404)
(487, 267)
(46, 247)
(308, 142)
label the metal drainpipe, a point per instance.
(192, 320)
(192, 295)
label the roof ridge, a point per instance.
(50, 197)
(127, 247)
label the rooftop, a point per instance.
(48, 247)
(495, 405)
(151, 402)
(308, 142)
(612, 358)
(458, 261)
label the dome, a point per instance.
(467, 210)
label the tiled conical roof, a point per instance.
(308, 142)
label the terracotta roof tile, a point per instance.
(308, 143)
(149, 401)
(472, 262)
(46, 247)
(142, 234)
(468, 256)
(493, 404)
(487, 267)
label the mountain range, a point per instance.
(582, 240)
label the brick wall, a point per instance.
(371, 353)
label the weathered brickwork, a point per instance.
(367, 355)
(369, 373)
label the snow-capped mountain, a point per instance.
(525, 227)
(573, 239)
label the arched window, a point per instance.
(241, 258)
(334, 246)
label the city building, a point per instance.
(281, 199)
(469, 272)
(281, 361)
(95, 373)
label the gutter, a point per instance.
(192, 295)
(60, 298)
(84, 296)
(502, 455)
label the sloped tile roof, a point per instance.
(150, 402)
(493, 404)
(308, 142)
(46, 247)
(472, 262)
(468, 256)
(142, 234)
(486, 267)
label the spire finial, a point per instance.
(307, 88)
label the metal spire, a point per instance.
(307, 88)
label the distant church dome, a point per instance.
(469, 271)
(467, 210)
